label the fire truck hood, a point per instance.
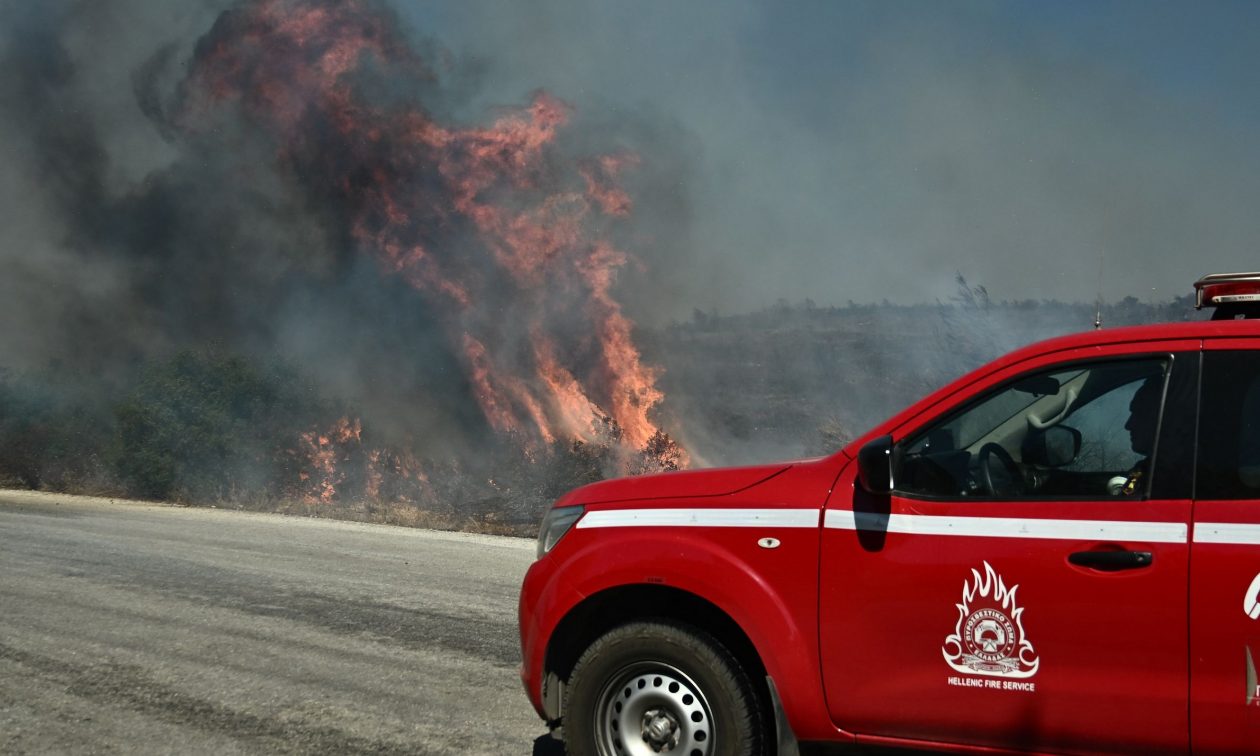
(674, 485)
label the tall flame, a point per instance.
(492, 224)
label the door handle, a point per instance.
(1111, 561)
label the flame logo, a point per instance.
(989, 637)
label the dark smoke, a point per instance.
(151, 214)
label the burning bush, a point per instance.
(207, 426)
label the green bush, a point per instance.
(208, 426)
(51, 435)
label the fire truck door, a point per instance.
(1225, 554)
(1025, 585)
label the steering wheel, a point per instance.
(1006, 480)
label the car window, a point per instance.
(1229, 430)
(1078, 431)
(1105, 443)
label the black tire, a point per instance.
(649, 688)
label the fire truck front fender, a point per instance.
(718, 582)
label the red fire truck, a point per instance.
(1059, 552)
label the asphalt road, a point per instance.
(133, 628)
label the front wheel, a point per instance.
(651, 688)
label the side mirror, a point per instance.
(877, 466)
(1055, 446)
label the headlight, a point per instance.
(555, 524)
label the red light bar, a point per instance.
(1226, 289)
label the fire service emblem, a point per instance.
(989, 637)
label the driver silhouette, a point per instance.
(1143, 416)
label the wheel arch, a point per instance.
(619, 605)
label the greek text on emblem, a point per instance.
(989, 637)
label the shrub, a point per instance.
(209, 426)
(51, 434)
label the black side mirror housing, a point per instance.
(877, 466)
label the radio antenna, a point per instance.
(1098, 300)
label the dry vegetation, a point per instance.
(790, 381)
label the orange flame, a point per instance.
(492, 223)
(322, 453)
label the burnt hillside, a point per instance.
(213, 426)
(799, 380)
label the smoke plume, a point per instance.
(290, 178)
